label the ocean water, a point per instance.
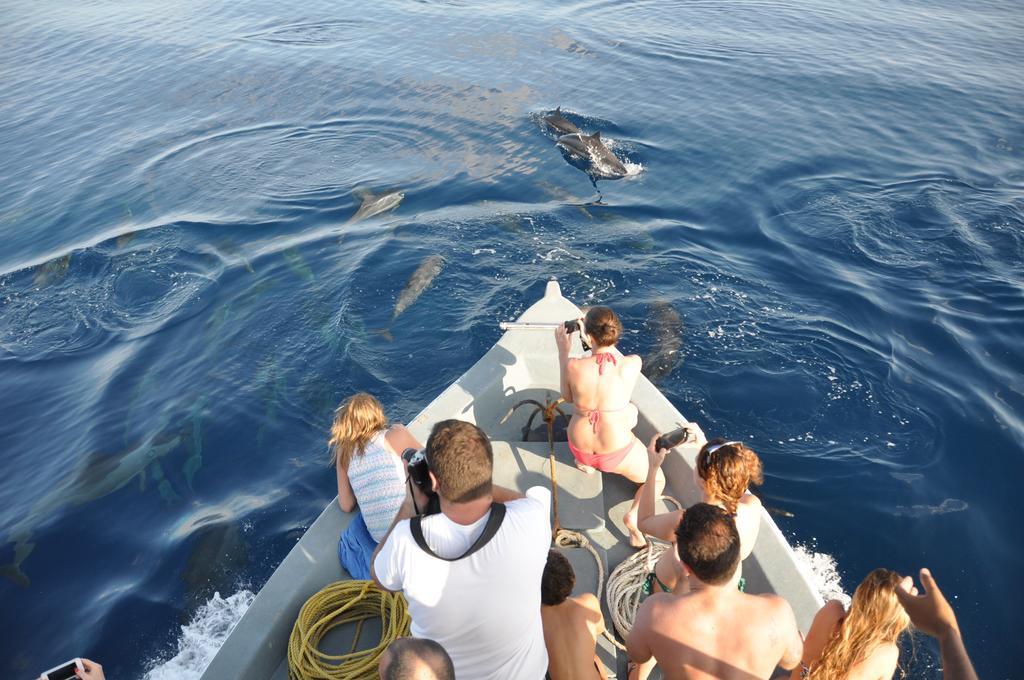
(830, 195)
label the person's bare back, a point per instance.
(714, 630)
(606, 390)
(571, 624)
(570, 634)
(718, 634)
(600, 432)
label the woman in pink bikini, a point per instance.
(599, 386)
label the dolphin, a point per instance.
(229, 247)
(100, 476)
(163, 485)
(126, 238)
(557, 122)
(298, 264)
(218, 555)
(272, 386)
(667, 328)
(194, 444)
(216, 321)
(53, 271)
(375, 204)
(591, 147)
(418, 282)
(561, 194)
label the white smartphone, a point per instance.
(65, 671)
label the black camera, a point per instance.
(672, 439)
(573, 326)
(419, 472)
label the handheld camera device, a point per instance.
(672, 439)
(419, 474)
(65, 671)
(571, 327)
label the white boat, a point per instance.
(523, 364)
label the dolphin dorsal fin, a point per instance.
(558, 110)
(363, 194)
(596, 135)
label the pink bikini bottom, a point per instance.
(605, 462)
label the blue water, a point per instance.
(830, 193)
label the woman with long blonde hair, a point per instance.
(861, 643)
(367, 457)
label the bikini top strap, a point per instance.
(603, 358)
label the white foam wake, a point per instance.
(823, 572)
(202, 637)
(632, 169)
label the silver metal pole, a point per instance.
(526, 326)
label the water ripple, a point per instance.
(99, 295)
(312, 33)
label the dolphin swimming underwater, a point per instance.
(375, 204)
(52, 271)
(219, 553)
(99, 477)
(297, 263)
(667, 327)
(590, 146)
(418, 282)
(557, 122)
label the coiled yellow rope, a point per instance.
(339, 603)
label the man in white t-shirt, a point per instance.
(484, 607)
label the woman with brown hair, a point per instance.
(863, 642)
(724, 471)
(367, 458)
(599, 386)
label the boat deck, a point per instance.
(521, 365)
(587, 503)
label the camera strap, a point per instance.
(490, 529)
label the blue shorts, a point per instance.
(355, 548)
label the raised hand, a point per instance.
(932, 614)
(930, 611)
(563, 339)
(93, 671)
(655, 457)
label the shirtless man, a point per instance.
(599, 386)
(714, 631)
(571, 624)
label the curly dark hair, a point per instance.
(558, 580)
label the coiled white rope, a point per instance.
(626, 583)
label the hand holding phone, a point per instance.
(93, 671)
(672, 439)
(655, 456)
(65, 671)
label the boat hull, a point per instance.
(523, 364)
